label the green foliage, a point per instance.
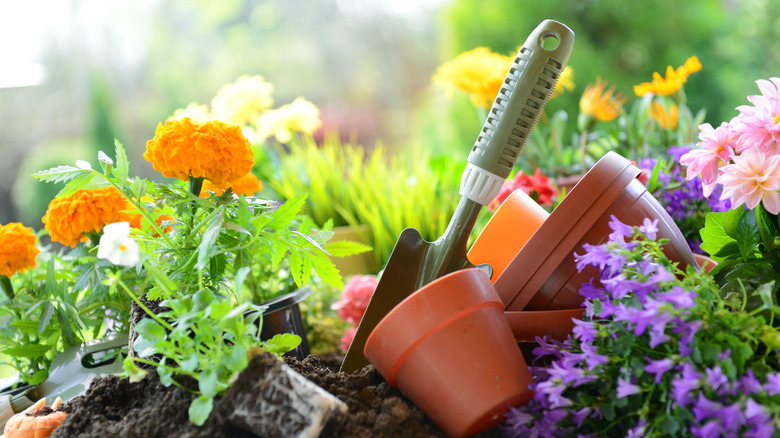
(323, 325)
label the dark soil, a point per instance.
(117, 408)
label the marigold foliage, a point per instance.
(673, 81)
(478, 72)
(247, 185)
(213, 150)
(87, 210)
(17, 249)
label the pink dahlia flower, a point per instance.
(716, 147)
(753, 177)
(354, 300)
(759, 124)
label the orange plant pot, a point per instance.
(510, 227)
(449, 348)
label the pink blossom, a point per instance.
(759, 124)
(354, 300)
(716, 147)
(753, 177)
(347, 337)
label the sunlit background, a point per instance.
(75, 74)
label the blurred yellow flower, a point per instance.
(667, 120)
(242, 102)
(17, 248)
(213, 150)
(565, 82)
(598, 102)
(68, 218)
(674, 79)
(298, 116)
(247, 185)
(197, 112)
(478, 72)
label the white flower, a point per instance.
(117, 246)
(105, 159)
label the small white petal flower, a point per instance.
(105, 159)
(117, 245)
(81, 164)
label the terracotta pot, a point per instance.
(704, 262)
(510, 227)
(555, 324)
(449, 348)
(543, 274)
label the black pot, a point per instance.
(283, 315)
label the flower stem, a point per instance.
(6, 287)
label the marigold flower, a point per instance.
(565, 82)
(673, 81)
(213, 150)
(599, 102)
(247, 185)
(478, 72)
(242, 102)
(88, 210)
(17, 248)
(667, 120)
(298, 116)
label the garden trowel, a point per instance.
(415, 262)
(70, 374)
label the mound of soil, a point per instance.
(115, 407)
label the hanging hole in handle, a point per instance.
(549, 40)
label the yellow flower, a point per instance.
(196, 112)
(242, 102)
(17, 249)
(212, 150)
(478, 72)
(87, 210)
(674, 79)
(666, 120)
(298, 116)
(598, 102)
(247, 185)
(565, 82)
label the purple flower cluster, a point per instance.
(652, 356)
(684, 200)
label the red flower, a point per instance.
(537, 187)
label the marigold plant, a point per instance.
(247, 185)
(68, 219)
(599, 102)
(213, 150)
(17, 249)
(478, 72)
(674, 80)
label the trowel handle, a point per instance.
(516, 109)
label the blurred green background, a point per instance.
(77, 73)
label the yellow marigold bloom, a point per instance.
(565, 82)
(478, 72)
(598, 102)
(212, 150)
(666, 120)
(17, 249)
(298, 116)
(247, 185)
(69, 217)
(196, 112)
(242, 102)
(673, 81)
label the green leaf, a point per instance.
(199, 410)
(60, 174)
(282, 343)
(748, 235)
(209, 238)
(207, 384)
(720, 229)
(286, 212)
(135, 373)
(344, 248)
(669, 425)
(31, 351)
(122, 169)
(150, 329)
(48, 312)
(237, 359)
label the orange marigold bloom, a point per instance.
(69, 217)
(598, 101)
(247, 185)
(478, 72)
(674, 79)
(212, 150)
(17, 249)
(667, 120)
